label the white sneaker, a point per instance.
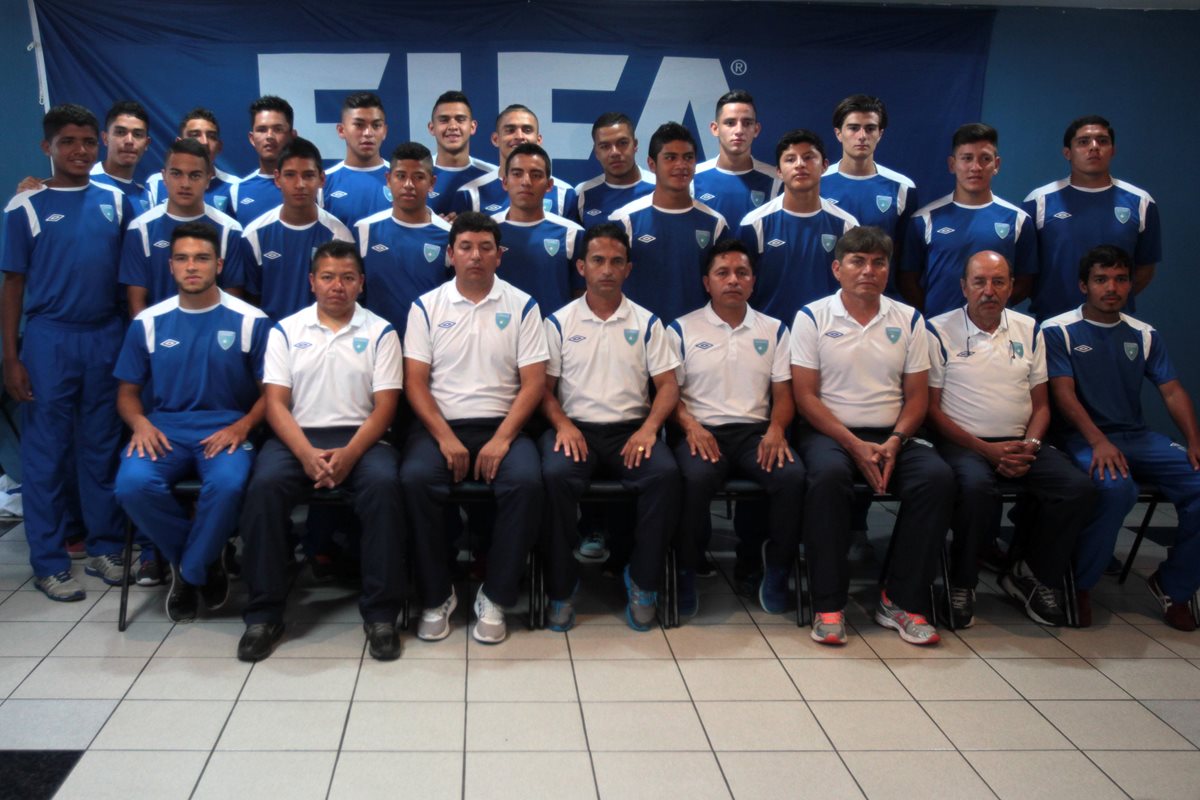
(490, 627)
(435, 622)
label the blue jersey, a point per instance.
(136, 192)
(402, 262)
(450, 179)
(1070, 221)
(944, 234)
(67, 244)
(354, 193)
(793, 254)
(669, 250)
(217, 195)
(733, 195)
(486, 194)
(597, 199)
(254, 195)
(886, 199)
(146, 252)
(277, 257)
(1107, 363)
(539, 258)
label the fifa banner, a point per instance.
(568, 61)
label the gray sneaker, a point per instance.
(490, 627)
(913, 628)
(109, 568)
(829, 627)
(642, 606)
(61, 587)
(435, 622)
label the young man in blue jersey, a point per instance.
(735, 183)
(452, 125)
(356, 186)
(200, 354)
(942, 235)
(1097, 358)
(201, 124)
(61, 248)
(621, 182)
(670, 232)
(271, 130)
(1086, 209)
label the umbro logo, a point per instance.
(1082, 348)
(162, 243)
(776, 243)
(594, 212)
(577, 338)
(1062, 215)
(447, 325)
(435, 194)
(338, 195)
(168, 343)
(303, 345)
(646, 238)
(963, 354)
(245, 201)
(834, 334)
(945, 230)
(272, 255)
(707, 196)
(54, 218)
(493, 207)
(704, 345)
(380, 248)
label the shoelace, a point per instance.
(1046, 595)
(959, 599)
(829, 617)
(60, 577)
(640, 597)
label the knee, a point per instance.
(1115, 491)
(135, 479)
(557, 469)
(225, 483)
(829, 477)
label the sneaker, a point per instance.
(642, 605)
(593, 547)
(490, 627)
(215, 591)
(746, 581)
(962, 607)
(1178, 615)
(60, 586)
(435, 622)
(913, 628)
(707, 569)
(689, 600)
(150, 573)
(560, 617)
(773, 590)
(861, 549)
(1041, 604)
(77, 550)
(829, 627)
(1083, 607)
(109, 568)
(323, 567)
(183, 600)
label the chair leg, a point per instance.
(1070, 599)
(668, 603)
(127, 557)
(804, 606)
(1137, 542)
(949, 607)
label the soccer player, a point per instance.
(989, 404)
(605, 351)
(356, 187)
(404, 248)
(145, 254)
(1097, 358)
(942, 235)
(452, 125)
(1087, 209)
(200, 353)
(793, 236)
(621, 181)
(539, 248)
(735, 183)
(278, 245)
(332, 376)
(734, 410)
(860, 368)
(671, 233)
(475, 368)
(270, 132)
(61, 249)
(201, 124)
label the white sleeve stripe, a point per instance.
(148, 329)
(247, 332)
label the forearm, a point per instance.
(129, 405)
(525, 403)
(1183, 414)
(10, 313)
(280, 418)
(912, 414)
(552, 410)
(952, 432)
(425, 408)
(783, 408)
(136, 298)
(664, 403)
(1142, 275)
(823, 421)
(371, 431)
(254, 416)
(1039, 423)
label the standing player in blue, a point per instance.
(200, 353)
(539, 248)
(942, 235)
(270, 132)
(670, 233)
(404, 248)
(621, 182)
(201, 124)
(452, 125)
(145, 254)
(793, 236)
(277, 247)
(356, 186)
(1097, 358)
(735, 183)
(61, 248)
(1087, 209)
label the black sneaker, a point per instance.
(962, 607)
(1041, 603)
(383, 641)
(183, 600)
(215, 591)
(707, 568)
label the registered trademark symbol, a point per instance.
(738, 67)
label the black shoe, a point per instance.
(707, 568)
(962, 607)
(215, 591)
(232, 565)
(383, 641)
(183, 602)
(259, 640)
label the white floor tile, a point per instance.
(204, 639)
(522, 644)
(51, 724)
(520, 680)
(621, 681)
(1153, 678)
(1162, 776)
(738, 679)
(412, 679)
(36, 607)
(31, 638)
(81, 678)
(1032, 775)
(1111, 725)
(845, 679)
(302, 679)
(695, 776)
(995, 725)
(773, 725)
(103, 639)
(429, 776)
(284, 725)
(1182, 715)
(405, 726)
(718, 641)
(785, 776)
(321, 640)
(13, 671)
(643, 726)
(296, 776)
(164, 725)
(161, 775)
(884, 725)
(528, 776)
(608, 642)
(529, 727)
(1057, 679)
(951, 679)
(190, 679)
(901, 776)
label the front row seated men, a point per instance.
(332, 380)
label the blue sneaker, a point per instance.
(689, 601)
(773, 590)
(560, 616)
(640, 610)
(593, 547)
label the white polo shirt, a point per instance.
(862, 366)
(604, 366)
(727, 373)
(986, 378)
(333, 375)
(475, 350)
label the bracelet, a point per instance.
(903, 437)
(1036, 442)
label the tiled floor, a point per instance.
(735, 703)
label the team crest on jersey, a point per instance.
(631, 335)
(1122, 214)
(502, 319)
(828, 240)
(387, 194)
(338, 195)
(162, 244)
(883, 202)
(1002, 229)
(360, 344)
(760, 346)
(893, 334)
(551, 246)
(220, 203)
(1018, 349)
(431, 252)
(757, 198)
(703, 238)
(110, 213)
(547, 204)
(1131, 350)
(225, 339)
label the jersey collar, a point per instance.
(711, 316)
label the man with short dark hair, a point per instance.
(735, 183)
(452, 125)
(621, 180)
(356, 186)
(201, 124)
(271, 131)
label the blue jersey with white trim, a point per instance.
(486, 194)
(146, 251)
(450, 179)
(136, 192)
(354, 193)
(597, 199)
(1107, 363)
(277, 257)
(539, 258)
(254, 195)
(733, 195)
(67, 244)
(217, 195)
(944, 234)
(1071, 220)
(793, 254)
(886, 199)
(402, 262)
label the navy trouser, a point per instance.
(1062, 497)
(1151, 457)
(519, 496)
(656, 482)
(925, 486)
(739, 457)
(279, 484)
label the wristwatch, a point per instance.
(1036, 443)
(903, 437)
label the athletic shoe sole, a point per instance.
(446, 631)
(888, 622)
